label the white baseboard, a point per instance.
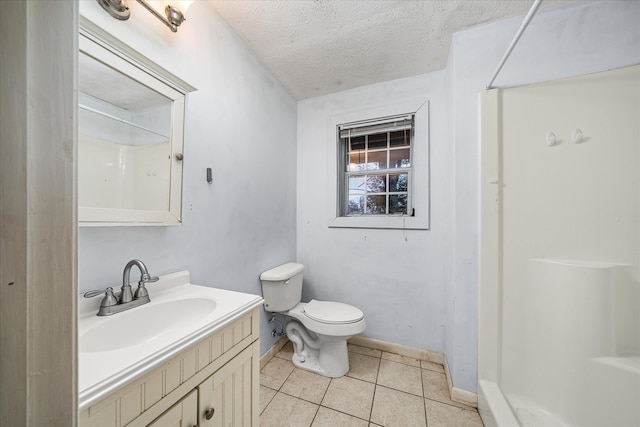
(461, 395)
(458, 394)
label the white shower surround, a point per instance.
(560, 338)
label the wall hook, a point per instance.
(551, 139)
(577, 137)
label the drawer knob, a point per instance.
(208, 414)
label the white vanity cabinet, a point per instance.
(214, 382)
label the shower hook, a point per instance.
(576, 136)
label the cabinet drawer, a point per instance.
(182, 414)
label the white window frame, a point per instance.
(420, 169)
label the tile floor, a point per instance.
(380, 389)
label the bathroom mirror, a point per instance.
(130, 135)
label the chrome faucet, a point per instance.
(141, 292)
(112, 304)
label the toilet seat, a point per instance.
(332, 312)
(334, 328)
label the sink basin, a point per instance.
(144, 324)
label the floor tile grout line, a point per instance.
(315, 415)
(424, 399)
(326, 390)
(466, 408)
(402, 391)
(300, 398)
(306, 400)
(285, 380)
(345, 413)
(378, 371)
(375, 387)
(269, 402)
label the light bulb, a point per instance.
(181, 5)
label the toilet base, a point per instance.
(332, 360)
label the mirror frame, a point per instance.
(104, 47)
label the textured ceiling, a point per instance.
(316, 47)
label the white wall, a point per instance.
(397, 277)
(242, 124)
(581, 37)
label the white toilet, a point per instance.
(319, 330)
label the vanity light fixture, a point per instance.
(174, 10)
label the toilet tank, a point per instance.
(282, 287)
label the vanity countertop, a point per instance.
(109, 361)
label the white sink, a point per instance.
(143, 324)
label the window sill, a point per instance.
(380, 222)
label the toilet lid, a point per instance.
(332, 312)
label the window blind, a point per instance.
(390, 124)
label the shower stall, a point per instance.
(559, 337)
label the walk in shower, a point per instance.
(559, 338)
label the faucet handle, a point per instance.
(91, 294)
(109, 298)
(146, 279)
(141, 292)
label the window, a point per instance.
(375, 167)
(384, 151)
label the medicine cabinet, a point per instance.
(130, 135)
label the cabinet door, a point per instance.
(229, 398)
(182, 414)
